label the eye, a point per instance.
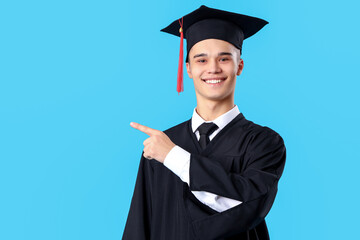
(201, 60)
(224, 59)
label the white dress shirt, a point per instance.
(178, 161)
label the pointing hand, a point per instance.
(157, 146)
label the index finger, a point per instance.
(144, 129)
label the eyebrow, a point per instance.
(205, 55)
(200, 55)
(224, 53)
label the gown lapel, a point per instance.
(216, 138)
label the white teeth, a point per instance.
(213, 81)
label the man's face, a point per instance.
(213, 65)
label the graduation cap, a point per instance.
(205, 23)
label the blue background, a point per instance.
(74, 74)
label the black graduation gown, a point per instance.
(244, 161)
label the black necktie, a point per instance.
(205, 130)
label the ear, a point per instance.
(240, 66)
(188, 70)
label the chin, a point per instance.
(215, 97)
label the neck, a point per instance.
(210, 110)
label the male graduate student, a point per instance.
(215, 175)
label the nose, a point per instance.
(213, 66)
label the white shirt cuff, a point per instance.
(216, 202)
(178, 161)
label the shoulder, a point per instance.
(257, 132)
(177, 129)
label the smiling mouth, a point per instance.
(214, 80)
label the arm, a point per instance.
(255, 186)
(139, 217)
(178, 161)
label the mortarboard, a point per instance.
(205, 23)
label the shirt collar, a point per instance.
(220, 121)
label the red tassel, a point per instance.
(180, 85)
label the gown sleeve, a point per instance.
(178, 161)
(139, 217)
(255, 186)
